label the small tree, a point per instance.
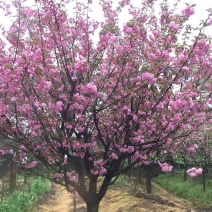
(185, 153)
(81, 106)
(196, 151)
(202, 153)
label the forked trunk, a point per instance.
(93, 207)
(93, 198)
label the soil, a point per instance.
(117, 199)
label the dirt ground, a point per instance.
(117, 200)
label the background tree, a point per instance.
(202, 154)
(185, 153)
(82, 106)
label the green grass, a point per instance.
(191, 190)
(121, 181)
(22, 201)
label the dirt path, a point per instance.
(117, 200)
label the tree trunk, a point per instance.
(203, 180)
(12, 177)
(74, 202)
(185, 173)
(93, 207)
(136, 183)
(148, 183)
(172, 172)
(139, 175)
(93, 197)
(130, 170)
(25, 177)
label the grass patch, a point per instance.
(191, 190)
(122, 181)
(22, 201)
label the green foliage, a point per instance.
(191, 189)
(122, 180)
(21, 201)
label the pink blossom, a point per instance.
(31, 165)
(113, 39)
(5, 152)
(77, 145)
(103, 171)
(7, 7)
(144, 159)
(186, 71)
(59, 105)
(96, 172)
(192, 149)
(58, 175)
(73, 176)
(89, 88)
(127, 29)
(193, 172)
(176, 105)
(166, 167)
(181, 57)
(156, 33)
(81, 66)
(148, 77)
(47, 85)
(196, 146)
(138, 79)
(98, 162)
(188, 11)
(80, 129)
(114, 156)
(173, 26)
(209, 22)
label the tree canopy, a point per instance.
(82, 107)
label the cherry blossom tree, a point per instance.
(195, 151)
(201, 154)
(185, 152)
(83, 105)
(204, 159)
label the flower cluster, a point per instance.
(192, 149)
(165, 167)
(194, 172)
(31, 165)
(188, 11)
(73, 176)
